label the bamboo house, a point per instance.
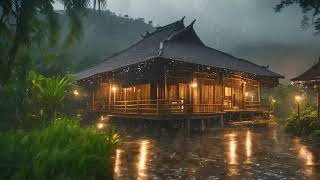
(172, 73)
(310, 79)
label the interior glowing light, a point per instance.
(194, 84)
(114, 89)
(76, 92)
(246, 94)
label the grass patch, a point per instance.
(63, 150)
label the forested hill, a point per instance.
(104, 34)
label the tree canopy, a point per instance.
(310, 9)
(30, 23)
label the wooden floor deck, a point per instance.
(179, 109)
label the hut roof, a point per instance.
(175, 42)
(312, 74)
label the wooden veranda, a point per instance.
(171, 73)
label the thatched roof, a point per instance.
(312, 74)
(175, 42)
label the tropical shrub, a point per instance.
(308, 122)
(315, 136)
(51, 91)
(63, 150)
(284, 96)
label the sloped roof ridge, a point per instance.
(182, 30)
(160, 29)
(308, 71)
(243, 60)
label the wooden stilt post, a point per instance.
(203, 125)
(188, 126)
(222, 120)
(318, 104)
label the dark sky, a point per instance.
(248, 29)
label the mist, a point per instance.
(248, 29)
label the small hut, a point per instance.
(171, 73)
(311, 80)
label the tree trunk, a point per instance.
(11, 58)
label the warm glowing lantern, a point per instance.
(298, 98)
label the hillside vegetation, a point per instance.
(104, 33)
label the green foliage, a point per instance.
(42, 98)
(51, 91)
(64, 150)
(284, 106)
(315, 136)
(284, 97)
(308, 122)
(104, 34)
(33, 23)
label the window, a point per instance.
(227, 91)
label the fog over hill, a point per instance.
(245, 28)
(248, 29)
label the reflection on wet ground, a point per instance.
(258, 153)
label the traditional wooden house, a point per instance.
(172, 73)
(310, 79)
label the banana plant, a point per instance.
(52, 91)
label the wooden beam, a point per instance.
(318, 104)
(222, 91)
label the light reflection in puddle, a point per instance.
(232, 158)
(232, 153)
(117, 165)
(143, 155)
(235, 155)
(305, 155)
(275, 135)
(248, 147)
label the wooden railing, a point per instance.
(159, 106)
(255, 105)
(164, 107)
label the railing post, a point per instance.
(125, 106)
(158, 107)
(138, 106)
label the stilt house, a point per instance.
(172, 73)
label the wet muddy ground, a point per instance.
(230, 153)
